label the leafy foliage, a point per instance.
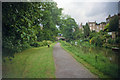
(107, 27)
(97, 38)
(86, 30)
(114, 24)
(69, 28)
(39, 44)
(25, 23)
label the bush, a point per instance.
(10, 47)
(35, 44)
(97, 41)
(111, 41)
(39, 44)
(117, 40)
(106, 45)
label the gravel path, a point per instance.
(67, 66)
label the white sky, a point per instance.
(85, 10)
(88, 10)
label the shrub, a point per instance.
(10, 46)
(106, 45)
(49, 42)
(111, 41)
(98, 41)
(39, 44)
(117, 40)
(35, 44)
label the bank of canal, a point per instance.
(102, 59)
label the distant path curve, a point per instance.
(67, 66)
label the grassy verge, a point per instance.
(31, 63)
(102, 68)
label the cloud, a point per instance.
(103, 8)
(88, 10)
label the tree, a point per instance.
(86, 30)
(21, 24)
(114, 24)
(107, 27)
(68, 27)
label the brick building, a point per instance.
(96, 27)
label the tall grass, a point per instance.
(102, 63)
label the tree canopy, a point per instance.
(114, 24)
(86, 30)
(26, 23)
(68, 27)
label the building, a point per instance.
(96, 27)
(92, 26)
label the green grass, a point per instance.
(102, 68)
(31, 63)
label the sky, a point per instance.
(85, 10)
(88, 10)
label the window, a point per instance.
(97, 30)
(90, 28)
(97, 27)
(90, 24)
(100, 28)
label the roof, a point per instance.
(91, 22)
